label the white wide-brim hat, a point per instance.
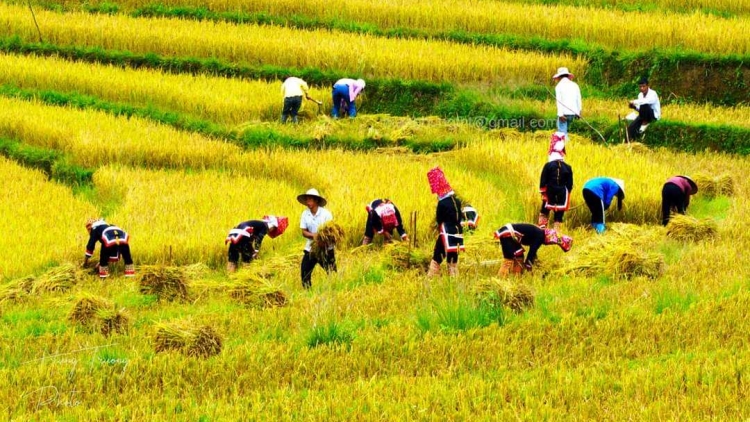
(563, 71)
(314, 193)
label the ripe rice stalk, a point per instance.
(690, 229)
(170, 283)
(187, 338)
(59, 279)
(518, 297)
(85, 309)
(329, 235)
(636, 147)
(256, 291)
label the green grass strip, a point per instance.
(53, 163)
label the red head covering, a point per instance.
(438, 184)
(276, 225)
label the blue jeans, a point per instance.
(341, 96)
(563, 126)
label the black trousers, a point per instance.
(596, 206)
(510, 247)
(439, 254)
(243, 248)
(291, 108)
(308, 265)
(672, 197)
(645, 115)
(114, 253)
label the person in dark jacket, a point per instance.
(555, 184)
(382, 218)
(675, 195)
(598, 194)
(514, 236)
(448, 217)
(115, 244)
(245, 239)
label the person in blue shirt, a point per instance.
(598, 194)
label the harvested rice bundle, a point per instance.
(257, 291)
(715, 186)
(329, 234)
(111, 320)
(16, 289)
(165, 282)
(59, 279)
(401, 257)
(623, 253)
(188, 338)
(517, 297)
(85, 309)
(690, 229)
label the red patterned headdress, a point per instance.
(438, 184)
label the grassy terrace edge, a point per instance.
(724, 79)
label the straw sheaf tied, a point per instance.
(712, 186)
(188, 338)
(257, 291)
(329, 234)
(170, 283)
(518, 297)
(99, 314)
(690, 229)
(623, 252)
(401, 257)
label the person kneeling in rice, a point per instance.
(556, 183)
(676, 195)
(245, 239)
(115, 244)
(448, 217)
(514, 236)
(382, 218)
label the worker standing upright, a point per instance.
(293, 89)
(556, 183)
(568, 98)
(448, 217)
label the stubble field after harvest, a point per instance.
(377, 340)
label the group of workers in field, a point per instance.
(452, 217)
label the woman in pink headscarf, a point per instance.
(448, 217)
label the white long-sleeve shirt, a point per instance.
(294, 87)
(651, 98)
(568, 98)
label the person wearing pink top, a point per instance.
(675, 195)
(345, 92)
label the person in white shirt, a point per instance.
(293, 89)
(312, 218)
(568, 97)
(648, 106)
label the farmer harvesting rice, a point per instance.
(293, 89)
(556, 183)
(346, 91)
(568, 96)
(598, 194)
(512, 238)
(115, 243)
(245, 239)
(448, 217)
(648, 109)
(312, 218)
(676, 195)
(382, 217)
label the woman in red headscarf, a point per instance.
(448, 218)
(246, 238)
